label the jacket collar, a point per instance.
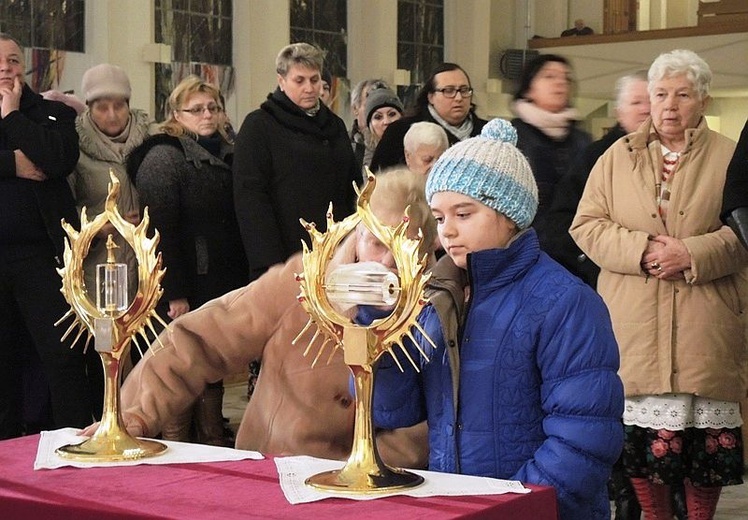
(495, 268)
(29, 98)
(646, 135)
(489, 269)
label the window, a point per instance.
(420, 37)
(323, 23)
(45, 24)
(198, 30)
(201, 37)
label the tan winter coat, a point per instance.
(295, 409)
(684, 336)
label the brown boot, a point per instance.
(178, 428)
(209, 425)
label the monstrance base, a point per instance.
(341, 481)
(111, 449)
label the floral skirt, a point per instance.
(707, 457)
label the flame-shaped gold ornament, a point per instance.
(364, 472)
(111, 442)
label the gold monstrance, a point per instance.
(111, 321)
(364, 472)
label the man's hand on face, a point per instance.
(10, 99)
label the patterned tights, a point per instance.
(654, 499)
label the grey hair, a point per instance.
(624, 82)
(8, 38)
(425, 133)
(303, 54)
(366, 84)
(679, 62)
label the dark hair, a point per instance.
(422, 100)
(531, 70)
(326, 76)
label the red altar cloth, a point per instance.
(222, 491)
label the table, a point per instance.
(222, 491)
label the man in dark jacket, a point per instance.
(38, 150)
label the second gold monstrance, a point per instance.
(113, 325)
(364, 472)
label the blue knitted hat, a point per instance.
(490, 169)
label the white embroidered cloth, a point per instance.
(176, 453)
(677, 412)
(293, 471)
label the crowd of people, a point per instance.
(586, 300)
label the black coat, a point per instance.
(549, 158)
(390, 150)
(189, 196)
(736, 185)
(553, 226)
(289, 165)
(45, 132)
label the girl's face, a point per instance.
(381, 119)
(466, 225)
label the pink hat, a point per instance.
(105, 80)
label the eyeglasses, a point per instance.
(450, 92)
(198, 110)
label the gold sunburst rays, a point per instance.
(363, 345)
(111, 441)
(139, 316)
(391, 330)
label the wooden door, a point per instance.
(619, 16)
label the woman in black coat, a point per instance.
(546, 123)
(183, 177)
(445, 99)
(293, 158)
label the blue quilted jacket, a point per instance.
(523, 382)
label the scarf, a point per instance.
(669, 164)
(313, 111)
(461, 132)
(555, 125)
(212, 144)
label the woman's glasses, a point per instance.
(450, 92)
(198, 110)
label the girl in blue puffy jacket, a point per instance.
(523, 383)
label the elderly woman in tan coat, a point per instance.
(649, 217)
(295, 409)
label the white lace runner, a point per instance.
(680, 411)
